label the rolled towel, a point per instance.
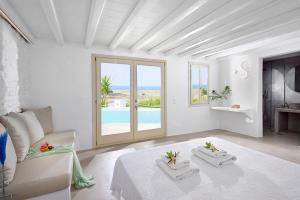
(180, 162)
(177, 174)
(215, 154)
(217, 162)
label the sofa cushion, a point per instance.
(58, 138)
(35, 129)
(42, 175)
(11, 158)
(18, 133)
(44, 115)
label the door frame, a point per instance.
(150, 133)
(124, 136)
(95, 95)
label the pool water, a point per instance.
(122, 115)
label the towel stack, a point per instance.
(182, 169)
(217, 158)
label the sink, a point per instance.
(295, 106)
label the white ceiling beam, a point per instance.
(261, 47)
(8, 10)
(51, 15)
(139, 9)
(271, 42)
(260, 27)
(259, 37)
(241, 19)
(222, 10)
(180, 13)
(96, 11)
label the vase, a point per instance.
(225, 102)
(220, 103)
(215, 103)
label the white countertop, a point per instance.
(225, 108)
(243, 109)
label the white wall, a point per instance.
(246, 92)
(60, 76)
(13, 75)
(183, 118)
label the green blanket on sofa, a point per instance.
(79, 179)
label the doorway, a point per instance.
(281, 94)
(130, 99)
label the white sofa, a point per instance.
(46, 177)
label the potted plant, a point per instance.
(220, 98)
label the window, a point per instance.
(198, 83)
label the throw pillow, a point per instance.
(18, 133)
(44, 115)
(34, 127)
(11, 158)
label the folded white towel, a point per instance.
(177, 174)
(180, 162)
(217, 162)
(215, 154)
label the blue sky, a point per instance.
(120, 74)
(195, 76)
(148, 76)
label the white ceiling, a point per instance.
(198, 28)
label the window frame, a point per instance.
(200, 65)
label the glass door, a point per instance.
(149, 100)
(130, 100)
(115, 94)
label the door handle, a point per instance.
(136, 104)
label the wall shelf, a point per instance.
(244, 110)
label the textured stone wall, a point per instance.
(13, 77)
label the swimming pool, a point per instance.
(122, 115)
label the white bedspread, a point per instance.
(254, 176)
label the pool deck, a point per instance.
(128, 109)
(117, 128)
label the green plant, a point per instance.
(150, 102)
(195, 100)
(127, 103)
(105, 90)
(210, 146)
(170, 155)
(215, 95)
(204, 94)
(203, 91)
(224, 94)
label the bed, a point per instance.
(254, 176)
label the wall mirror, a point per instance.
(293, 78)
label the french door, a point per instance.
(130, 99)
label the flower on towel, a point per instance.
(172, 156)
(210, 146)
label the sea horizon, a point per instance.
(124, 87)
